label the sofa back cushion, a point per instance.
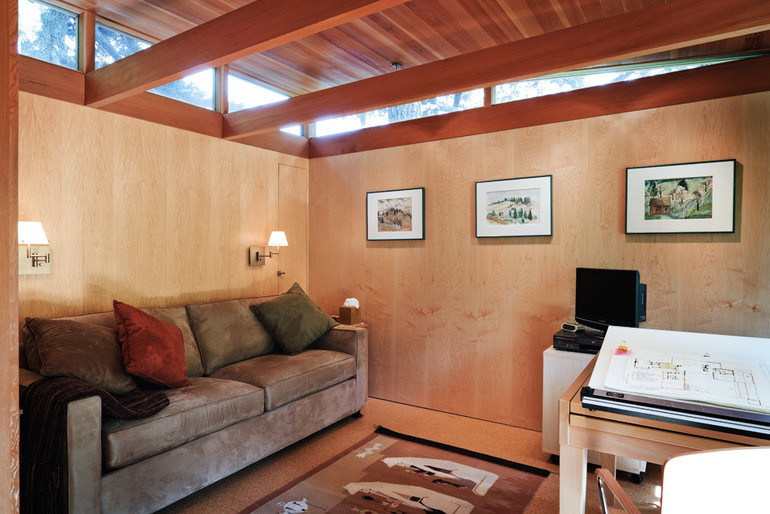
(228, 332)
(85, 351)
(174, 315)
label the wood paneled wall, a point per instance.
(459, 324)
(149, 214)
(9, 346)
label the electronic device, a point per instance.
(572, 327)
(577, 342)
(605, 297)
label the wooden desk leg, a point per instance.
(572, 479)
(609, 462)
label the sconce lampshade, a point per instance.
(277, 238)
(32, 233)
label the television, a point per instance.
(605, 297)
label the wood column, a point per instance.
(9, 271)
(87, 34)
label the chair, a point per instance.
(733, 480)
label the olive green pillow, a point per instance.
(81, 350)
(294, 320)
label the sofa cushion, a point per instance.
(152, 349)
(88, 352)
(205, 406)
(228, 332)
(294, 320)
(288, 377)
(174, 315)
(178, 316)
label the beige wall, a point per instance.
(459, 324)
(151, 215)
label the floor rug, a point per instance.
(390, 472)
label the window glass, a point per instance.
(196, 89)
(48, 33)
(425, 108)
(293, 129)
(113, 45)
(244, 94)
(581, 79)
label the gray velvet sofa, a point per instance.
(228, 418)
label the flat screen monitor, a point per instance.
(605, 297)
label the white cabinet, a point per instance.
(560, 369)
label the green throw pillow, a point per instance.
(294, 320)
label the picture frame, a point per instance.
(515, 207)
(683, 198)
(395, 215)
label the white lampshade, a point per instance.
(32, 233)
(277, 238)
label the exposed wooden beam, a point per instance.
(279, 142)
(706, 83)
(172, 113)
(87, 46)
(46, 79)
(664, 27)
(254, 28)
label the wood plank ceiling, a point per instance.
(417, 32)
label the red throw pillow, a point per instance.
(153, 350)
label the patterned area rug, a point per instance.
(393, 473)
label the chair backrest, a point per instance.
(733, 480)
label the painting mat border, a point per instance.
(532, 232)
(723, 206)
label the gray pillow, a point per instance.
(294, 320)
(85, 351)
(228, 332)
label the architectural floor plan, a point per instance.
(701, 378)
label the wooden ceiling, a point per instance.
(415, 33)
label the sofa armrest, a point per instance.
(354, 341)
(84, 454)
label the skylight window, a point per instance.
(48, 33)
(196, 89)
(243, 93)
(423, 109)
(591, 77)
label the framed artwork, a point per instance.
(515, 207)
(681, 198)
(395, 215)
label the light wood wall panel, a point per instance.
(148, 214)
(459, 324)
(9, 346)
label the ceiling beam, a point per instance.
(676, 24)
(254, 28)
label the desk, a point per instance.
(615, 434)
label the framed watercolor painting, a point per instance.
(395, 215)
(515, 207)
(681, 198)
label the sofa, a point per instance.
(235, 411)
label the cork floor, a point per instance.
(240, 490)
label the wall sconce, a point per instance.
(258, 254)
(31, 233)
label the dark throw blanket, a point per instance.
(44, 434)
